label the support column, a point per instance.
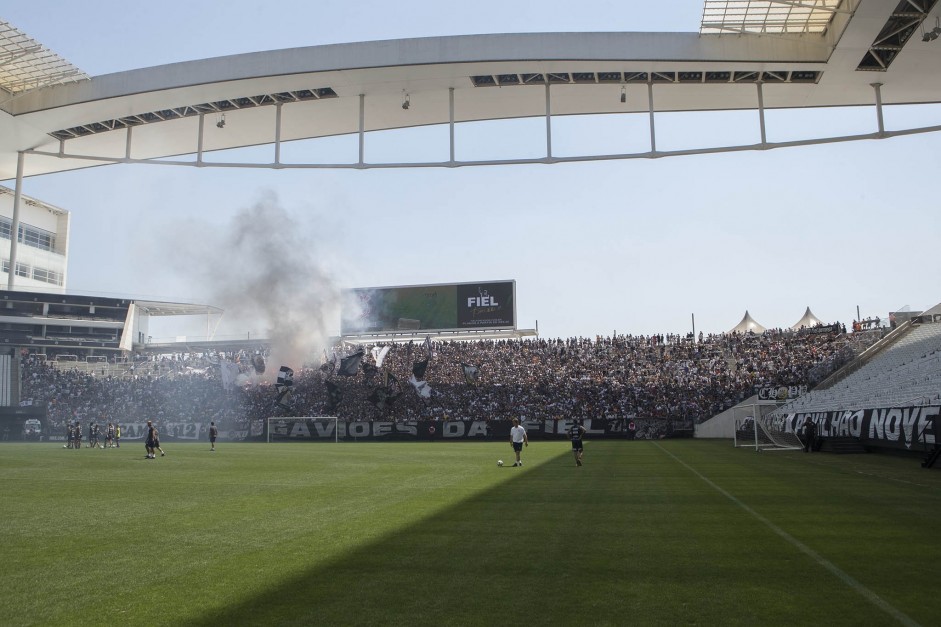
(277, 135)
(199, 139)
(362, 128)
(653, 131)
(15, 226)
(878, 88)
(548, 124)
(127, 143)
(451, 122)
(761, 113)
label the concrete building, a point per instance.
(42, 253)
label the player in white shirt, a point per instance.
(518, 438)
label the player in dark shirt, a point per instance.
(149, 441)
(213, 434)
(576, 432)
(78, 435)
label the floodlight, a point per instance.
(623, 95)
(221, 122)
(406, 102)
(932, 34)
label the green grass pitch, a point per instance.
(647, 533)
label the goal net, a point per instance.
(757, 428)
(303, 429)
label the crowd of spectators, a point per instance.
(676, 378)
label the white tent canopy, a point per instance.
(808, 321)
(748, 324)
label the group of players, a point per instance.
(73, 436)
(113, 437)
(152, 443)
(518, 439)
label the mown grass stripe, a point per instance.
(851, 582)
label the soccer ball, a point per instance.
(499, 462)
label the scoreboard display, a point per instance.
(441, 307)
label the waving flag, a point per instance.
(230, 372)
(421, 387)
(349, 366)
(383, 397)
(379, 354)
(283, 386)
(419, 367)
(471, 373)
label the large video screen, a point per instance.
(444, 307)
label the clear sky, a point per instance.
(635, 246)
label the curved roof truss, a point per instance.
(771, 55)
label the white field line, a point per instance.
(865, 592)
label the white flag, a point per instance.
(229, 372)
(422, 387)
(379, 354)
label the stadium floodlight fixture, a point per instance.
(932, 34)
(221, 122)
(623, 95)
(406, 103)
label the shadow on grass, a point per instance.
(463, 565)
(631, 537)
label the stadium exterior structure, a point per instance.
(89, 329)
(42, 254)
(837, 53)
(832, 53)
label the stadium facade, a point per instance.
(42, 255)
(85, 328)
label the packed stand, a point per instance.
(623, 377)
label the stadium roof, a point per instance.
(764, 17)
(155, 308)
(26, 64)
(748, 55)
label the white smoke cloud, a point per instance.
(265, 269)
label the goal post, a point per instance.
(757, 428)
(303, 428)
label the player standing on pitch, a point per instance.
(576, 433)
(213, 434)
(157, 443)
(518, 438)
(149, 442)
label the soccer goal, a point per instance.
(756, 428)
(303, 428)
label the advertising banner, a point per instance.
(295, 429)
(781, 392)
(909, 428)
(443, 307)
(187, 431)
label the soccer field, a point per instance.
(668, 532)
